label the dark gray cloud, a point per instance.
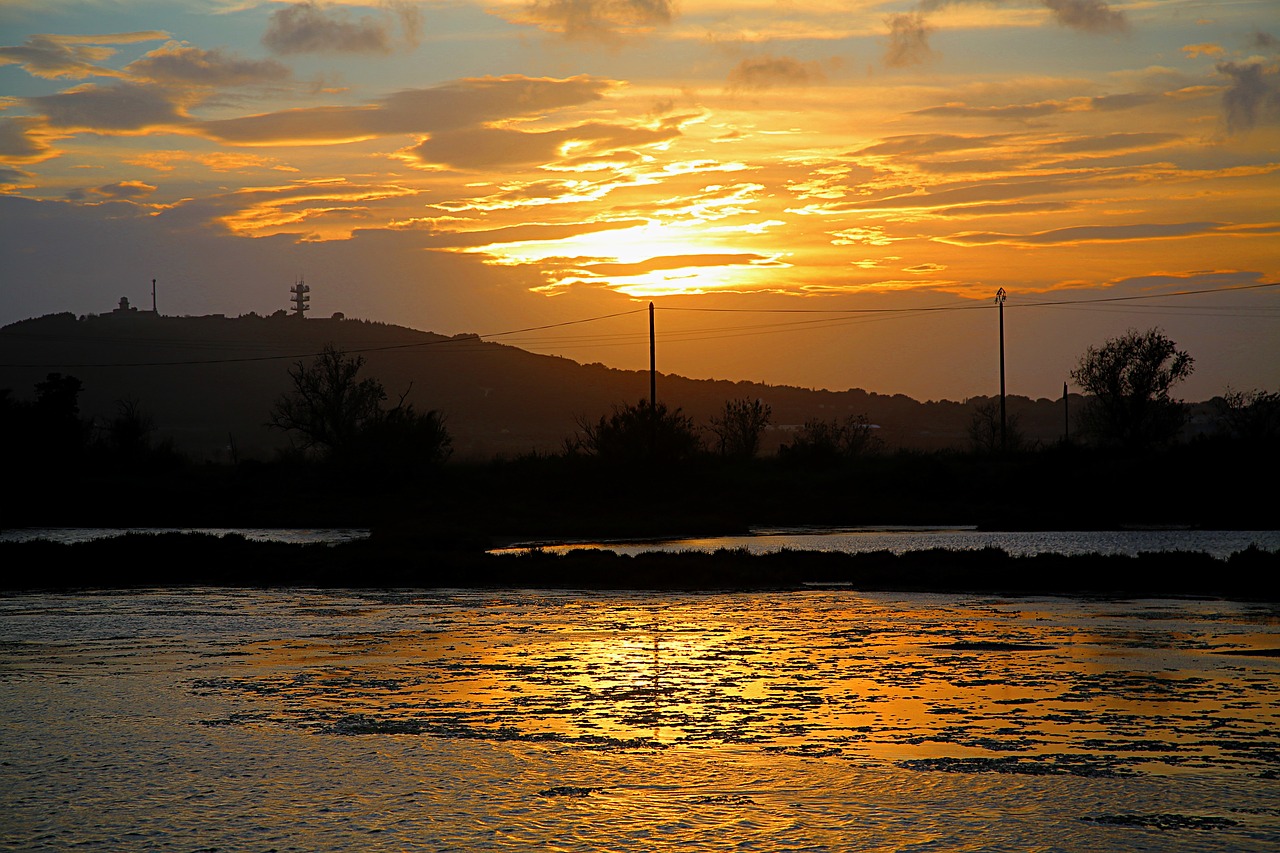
(598, 18)
(1023, 112)
(1018, 112)
(19, 142)
(179, 65)
(489, 147)
(909, 32)
(307, 28)
(1088, 234)
(459, 104)
(11, 177)
(118, 107)
(1263, 41)
(1253, 97)
(1091, 16)
(908, 40)
(767, 72)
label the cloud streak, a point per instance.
(1103, 234)
(176, 64)
(74, 57)
(450, 106)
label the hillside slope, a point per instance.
(209, 383)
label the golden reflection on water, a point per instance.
(822, 674)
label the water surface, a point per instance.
(515, 720)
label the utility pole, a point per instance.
(153, 298)
(1000, 294)
(653, 366)
(1066, 415)
(653, 390)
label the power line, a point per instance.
(968, 306)
(831, 317)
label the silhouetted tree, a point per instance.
(1252, 416)
(129, 432)
(341, 415)
(739, 426)
(638, 433)
(829, 441)
(57, 411)
(1129, 378)
(984, 427)
(46, 433)
(329, 405)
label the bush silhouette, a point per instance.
(639, 433)
(340, 416)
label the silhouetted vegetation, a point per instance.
(824, 442)
(633, 472)
(985, 430)
(1250, 416)
(47, 431)
(639, 433)
(340, 416)
(235, 561)
(739, 426)
(1130, 378)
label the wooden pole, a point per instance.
(653, 365)
(1066, 415)
(1000, 294)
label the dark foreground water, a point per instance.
(825, 720)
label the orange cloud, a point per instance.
(72, 56)
(1204, 49)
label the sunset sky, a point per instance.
(824, 194)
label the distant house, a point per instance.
(124, 309)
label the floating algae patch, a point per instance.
(1047, 765)
(568, 791)
(1162, 822)
(991, 646)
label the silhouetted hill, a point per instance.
(209, 383)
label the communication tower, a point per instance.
(300, 298)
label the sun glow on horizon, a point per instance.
(471, 166)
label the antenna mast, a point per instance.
(300, 298)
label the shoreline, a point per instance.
(135, 560)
